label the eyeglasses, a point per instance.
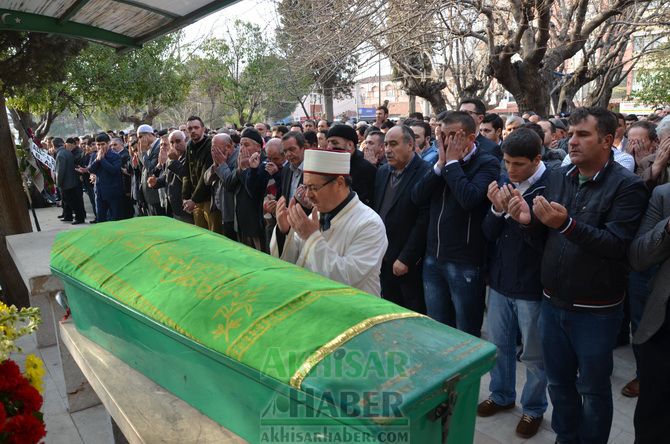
(316, 188)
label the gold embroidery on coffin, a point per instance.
(338, 341)
(133, 297)
(260, 326)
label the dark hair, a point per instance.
(297, 135)
(196, 118)
(423, 124)
(650, 127)
(282, 129)
(524, 142)
(387, 125)
(162, 133)
(534, 127)
(58, 141)
(631, 118)
(376, 133)
(407, 134)
(619, 116)
(416, 115)
(362, 130)
(310, 138)
(70, 140)
(311, 121)
(495, 120)
(461, 117)
(606, 120)
(480, 108)
(298, 124)
(102, 137)
(235, 138)
(383, 108)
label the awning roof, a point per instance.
(121, 24)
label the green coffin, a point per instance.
(271, 351)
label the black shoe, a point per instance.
(60, 216)
(78, 222)
(67, 219)
(94, 221)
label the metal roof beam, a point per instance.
(183, 21)
(23, 21)
(72, 10)
(158, 11)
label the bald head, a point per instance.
(275, 151)
(222, 139)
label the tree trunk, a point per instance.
(14, 217)
(412, 104)
(529, 84)
(328, 104)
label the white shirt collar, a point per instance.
(526, 184)
(471, 153)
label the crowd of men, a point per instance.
(553, 215)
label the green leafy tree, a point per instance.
(654, 80)
(27, 60)
(241, 77)
(136, 86)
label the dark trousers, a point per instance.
(229, 230)
(91, 197)
(67, 210)
(577, 348)
(405, 290)
(74, 197)
(155, 210)
(109, 209)
(652, 415)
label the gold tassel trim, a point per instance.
(351, 332)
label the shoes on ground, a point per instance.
(78, 222)
(490, 408)
(528, 426)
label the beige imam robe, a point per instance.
(350, 251)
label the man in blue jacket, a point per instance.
(456, 249)
(515, 294)
(590, 212)
(108, 181)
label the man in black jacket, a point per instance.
(590, 212)
(515, 295)
(453, 280)
(344, 138)
(248, 181)
(406, 223)
(196, 194)
(651, 251)
(293, 144)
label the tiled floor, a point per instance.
(92, 426)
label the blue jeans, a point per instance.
(454, 294)
(504, 315)
(578, 361)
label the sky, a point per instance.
(263, 14)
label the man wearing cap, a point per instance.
(362, 172)
(248, 182)
(149, 146)
(342, 239)
(195, 193)
(67, 180)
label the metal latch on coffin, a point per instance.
(445, 410)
